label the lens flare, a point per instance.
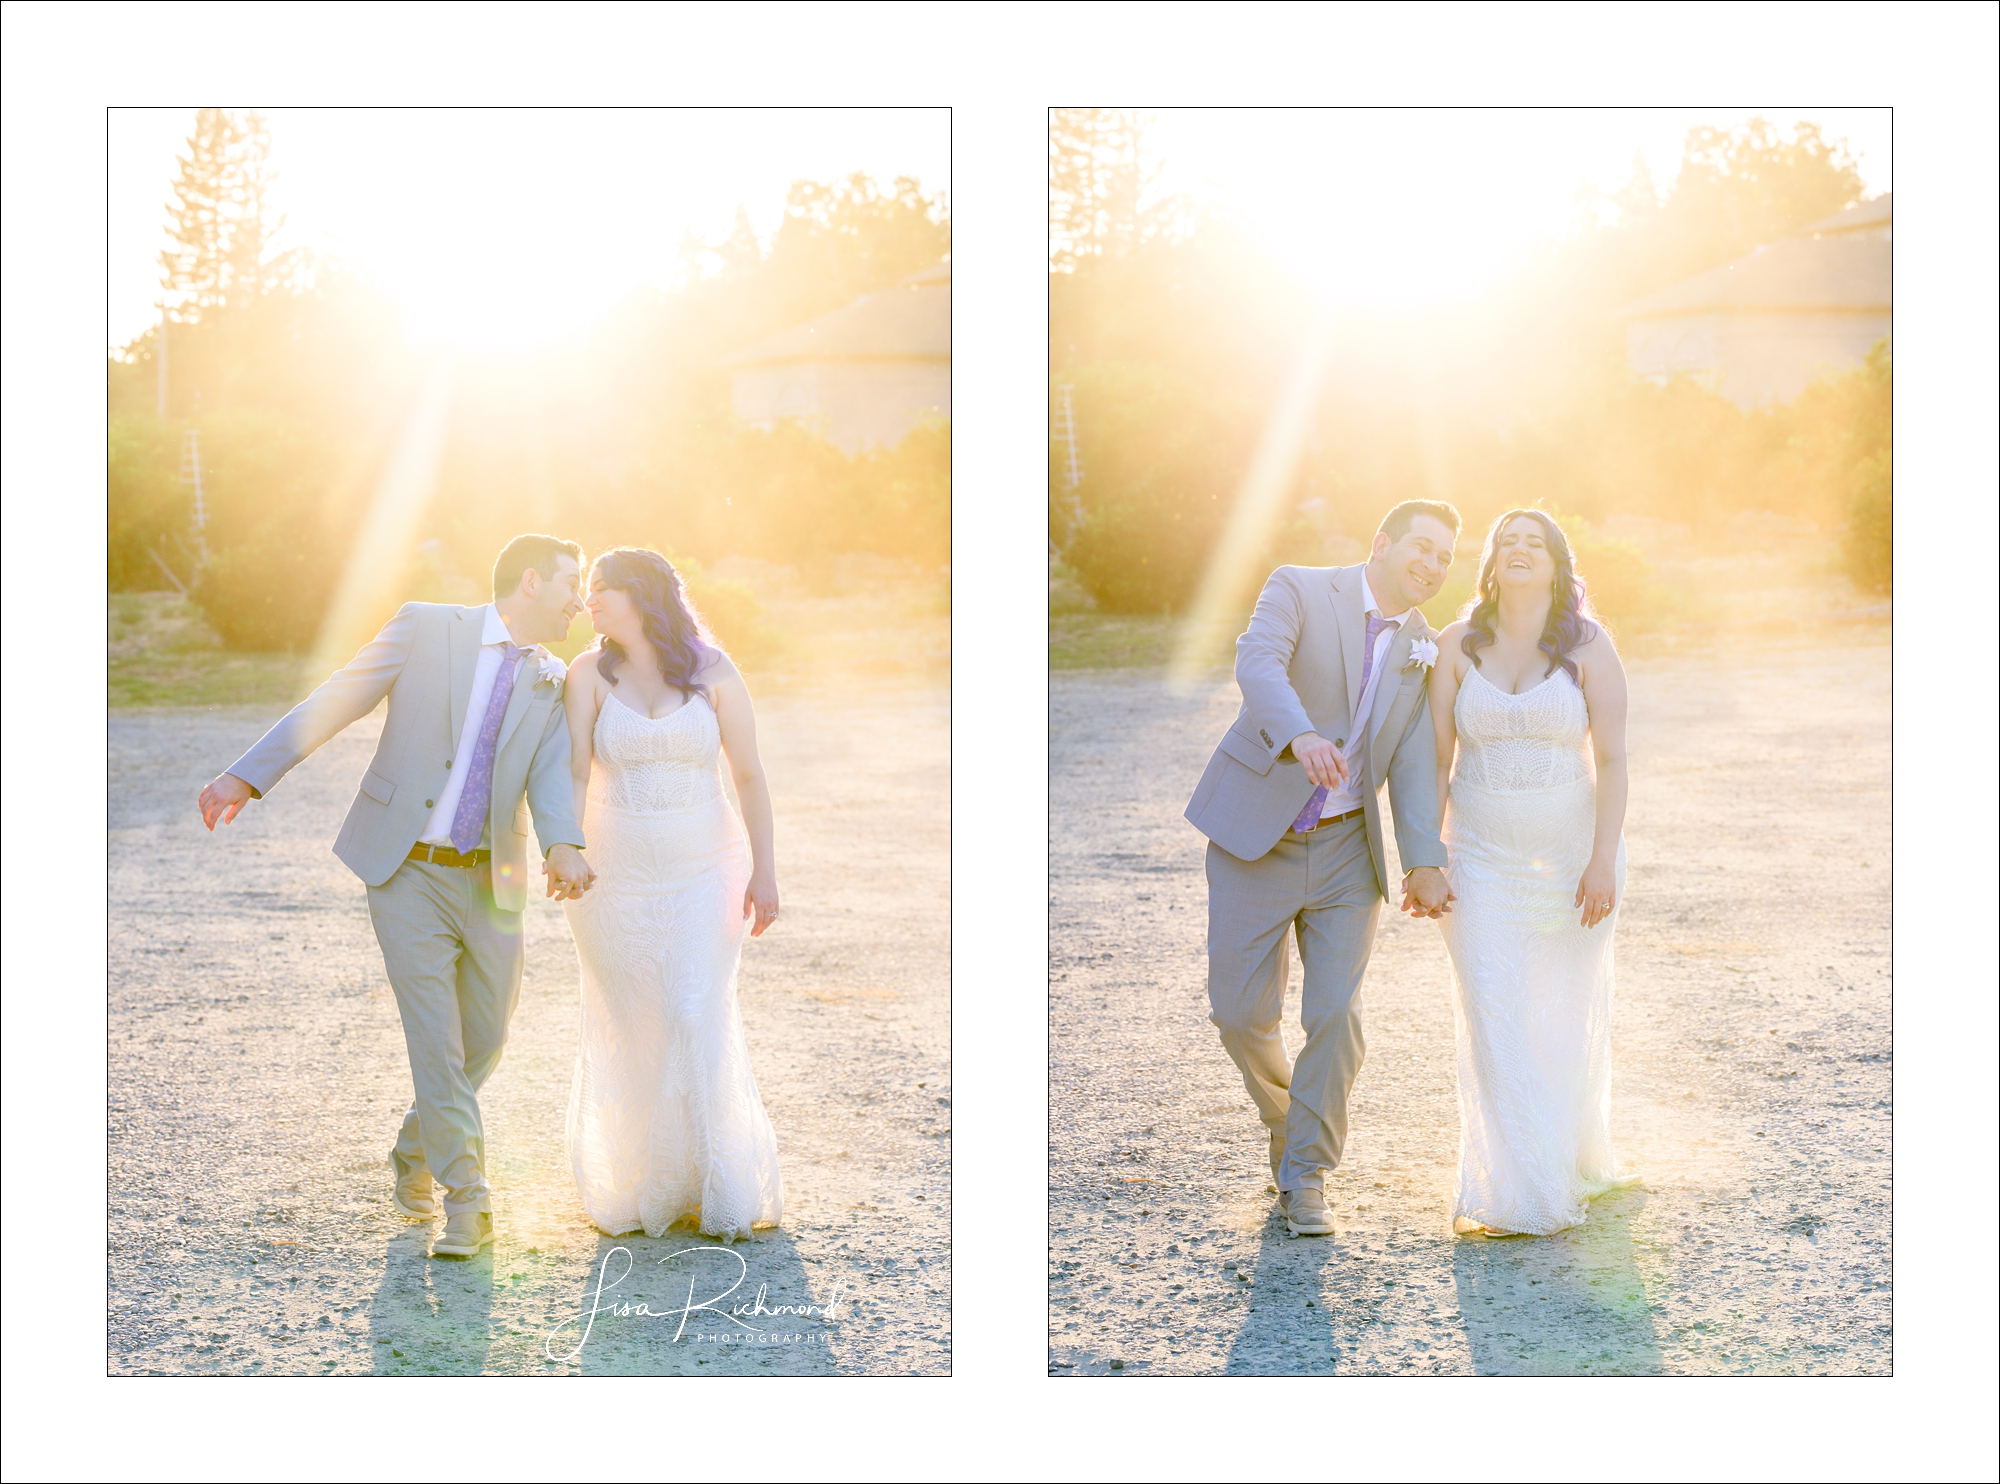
(1215, 612)
(377, 565)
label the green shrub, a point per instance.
(148, 508)
(265, 595)
(1161, 468)
(1619, 581)
(733, 614)
(1067, 594)
(1868, 542)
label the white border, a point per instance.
(1000, 67)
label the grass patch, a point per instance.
(163, 653)
(1778, 583)
(1115, 641)
(879, 621)
(864, 619)
(871, 619)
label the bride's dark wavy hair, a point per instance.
(1572, 622)
(678, 636)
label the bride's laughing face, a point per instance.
(1521, 556)
(612, 612)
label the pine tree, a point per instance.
(251, 228)
(1097, 175)
(196, 267)
(740, 252)
(219, 222)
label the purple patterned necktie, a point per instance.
(470, 819)
(1309, 816)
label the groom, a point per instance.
(438, 832)
(1333, 670)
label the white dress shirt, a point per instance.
(493, 642)
(1348, 798)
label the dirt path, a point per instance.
(258, 1074)
(1751, 1038)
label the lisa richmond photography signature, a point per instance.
(734, 1324)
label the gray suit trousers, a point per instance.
(1321, 887)
(454, 960)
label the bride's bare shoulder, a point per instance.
(717, 667)
(1597, 659)
(1451, 653)
(1598, 647)
(584, 676)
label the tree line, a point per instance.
(299, 376)
(1173, 333)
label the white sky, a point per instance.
(1409, 205)
(511, 226)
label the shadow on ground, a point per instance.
(1572, 1305)
(432, 1316)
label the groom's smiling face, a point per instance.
(549, 603)
(1411, 568)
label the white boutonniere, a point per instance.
(553, 671)
(1423, 654)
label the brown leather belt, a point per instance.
(1335, 819)
(444, 855)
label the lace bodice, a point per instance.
(1532, 986)
(665, 1121)
(645, 765)
(1538, 739)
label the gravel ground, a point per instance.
(1751, 1044)
(258, 1074)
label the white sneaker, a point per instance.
(464, 1234)
(1306, 1214)
(413, 1199)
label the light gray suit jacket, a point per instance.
(1299, 668)
(423, 662)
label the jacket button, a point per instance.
(447, 762)
(429, 804)
(1339, 741)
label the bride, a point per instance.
(664, 1119)
(1528, 692)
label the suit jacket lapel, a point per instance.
(526, 670)
(1352, 624)
(1395, 693)
(464, 660)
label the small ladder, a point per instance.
(1065, 434)
(191, 474)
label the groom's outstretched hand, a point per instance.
(1426, 893)
(569, 874)
(224, 799)
(1322, 760)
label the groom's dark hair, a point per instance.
(523, 552)
(1396, 524)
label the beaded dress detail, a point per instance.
(665, 1123)
(1532, 986)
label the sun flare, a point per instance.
(511, 228)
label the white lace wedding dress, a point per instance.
(664, 1118)
(1532, 985)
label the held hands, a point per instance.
(760, 900)
(1426, 893)
(569, 874)
(223, 799)
(1322, 760)
(1596, 893)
